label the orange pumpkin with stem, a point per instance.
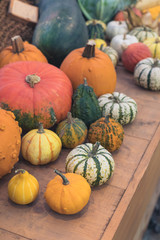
(20, 51)
(92, 64)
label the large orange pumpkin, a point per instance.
(20, 51)
(35, 92)
(10, 141)
(92, 64)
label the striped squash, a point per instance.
(143, 33)
(112, 54)
(118, 106)
(147, 74)
(92, 161)
(23, 188)
(96, 29)
(72, 131)
(154, 45)
(41, 146)
(108, 132)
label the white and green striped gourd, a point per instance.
(147, 74)
(143, 33)
(92, 161)
(118, 106)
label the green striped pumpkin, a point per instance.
(147, 74)
(96, 29)
(92, 161)
(71, 131)
(143, 33)
(118, 106)
(85, 104)
(112, 54)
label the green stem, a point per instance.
(94, 149)
(69, 118)
(40, 128)
(65, 180)
(19, 170)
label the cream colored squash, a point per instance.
(116, 27)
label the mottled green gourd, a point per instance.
(72, 131)
(96, 29)
(85, 104)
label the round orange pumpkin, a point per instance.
(92, 64)
(20, 51)
(35, 92)
(10, 141)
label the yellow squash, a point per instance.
(23, 188)
(41, 146)
(154, 45)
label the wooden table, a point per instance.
(118, 210)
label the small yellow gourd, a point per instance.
(23, 188)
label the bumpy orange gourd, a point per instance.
(10, 141)
(20, 51)
(67, 193)
(92, 64)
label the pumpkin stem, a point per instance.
(32, 80)
(17, 44)
(65, 180)
(116, 99)
(94, 149)
(20, 170)
(40, 128)
(69, 118)
(106, 120)
(156, 62)
(89, 50)
(157, 40)
(85, 82)
(124, 36)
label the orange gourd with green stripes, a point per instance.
(41, 146)
(108, 132)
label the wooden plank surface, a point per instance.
(98, 219)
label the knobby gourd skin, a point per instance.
(42, 97)
(41, 146)
(92, 161)
(67, 193)
(10, 141)
(72, 131)
(23, 188)
(108, 132)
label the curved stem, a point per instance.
(20, 170)
(69, 118)
(94, 149)
(65, 180)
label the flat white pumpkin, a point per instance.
(118, 106)
(116, 27)
(147, 74)
(92, 161)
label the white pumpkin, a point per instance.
(115, 28)
(118, 106)
(147, 74)
(112, 53)
(92, 161)
(120, 42)
(143, 33)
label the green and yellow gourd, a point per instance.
(143, 33)
(92, 161)
(85, 104)
(72, 131)
(96, 29)
(118, 106)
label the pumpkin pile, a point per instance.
(61, 90)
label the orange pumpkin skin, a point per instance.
(98, 70)
(133, 54)
(10, 141)
(47, 101)
(20, 51)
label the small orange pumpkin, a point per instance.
(92, 64)
(20, 51)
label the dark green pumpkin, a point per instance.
(59, 29)
(71, 131)
(85, 104)
(96, 29)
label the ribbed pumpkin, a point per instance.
(143, 33)
(67, 193)
(41, 146)
(115, 28)
(96, 29)
(154, 45)
(112, 54)
(92, 64)
(20, 51)
(72, 131)
(85, 104)
(108, 132)
(10, 141)
(92, 161)
(134, 53)
(118, 106)
(23, 188)
(147, 74)
(35, 92)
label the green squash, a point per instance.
(96, 29)
(85, 104)
(59, 29)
